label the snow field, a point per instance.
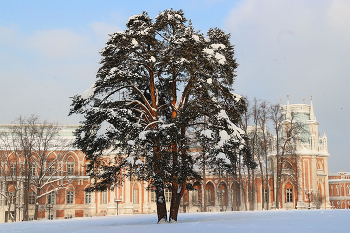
(244, 221)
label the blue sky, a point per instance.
(49, 51)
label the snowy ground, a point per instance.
(258, 221)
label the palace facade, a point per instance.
(305, 171)
(339, 190)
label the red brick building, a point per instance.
(339, 190)
(305, 171)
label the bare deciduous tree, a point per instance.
(287, 129)
(37, 150)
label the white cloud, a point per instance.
(41, 70)
(60, 43)
(300, 48)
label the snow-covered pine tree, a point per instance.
(172, 76)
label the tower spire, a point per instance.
(312, 114)
(288, 109)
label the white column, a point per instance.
(314, 186)
(300, 203)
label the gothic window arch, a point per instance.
(210, 194)
(71, 163)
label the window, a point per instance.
(168, 195)
(135, 198)
(52, 170)
(332, 190)
(208, 196)
(348, 187)
(104, 197)
(337, 187)
(266, 196)
(13, 169)
(32, 171)
(289, 195)
(153, 195)
(70, 169)
(221, 196)
(31, 198)
(195, 197)
(51, 198)
(12, 198)
(70, 197)
(87, 197)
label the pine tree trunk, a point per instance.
(159, 185)
(161, 205)
(175, 201)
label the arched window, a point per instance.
(266, 195)
(51, 198)
(135, 196)
(195, 196)
(289, 193)
(32, 198)
(32, 170)
(104, 197)
(209, 194)
(70, 197)
(70, 165)
(87, 197)
(12, 196)
(13, 169)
